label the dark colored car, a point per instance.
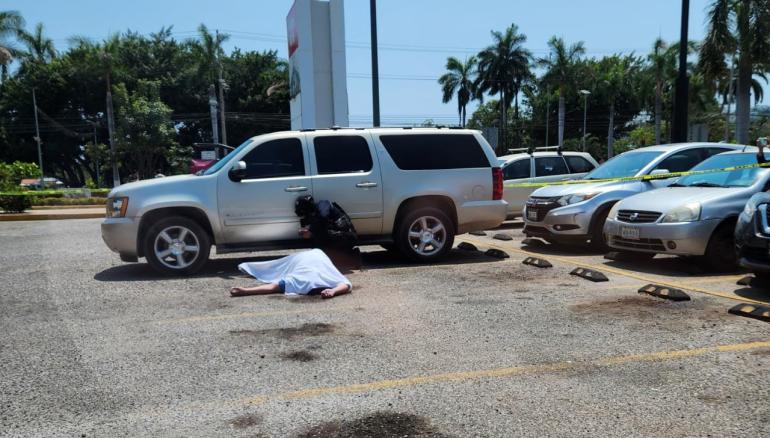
(752, 236)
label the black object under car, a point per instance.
(752, 236)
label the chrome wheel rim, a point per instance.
(176, 247)
(427, 235)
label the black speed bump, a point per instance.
(754, 311)
(496, 253)
(532, 242)
(502, 236)
(745, 281)
(536, 262)
(665, 292)
(477, 233)
(589, 274)
(465, 246)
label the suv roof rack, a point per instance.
(530, 150)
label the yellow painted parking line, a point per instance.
(256, 314)
(380, 385)
(622, 272)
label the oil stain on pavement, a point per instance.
(379, 424)
(305, 330)
(300, 356)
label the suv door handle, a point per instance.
(295, 189)
(366, 184)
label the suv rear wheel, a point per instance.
(425, 234)
(176, 245)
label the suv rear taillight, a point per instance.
(497, 183)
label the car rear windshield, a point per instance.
(732, 178)
(435, 151)
(627, 164)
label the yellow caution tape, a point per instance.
(638, 178)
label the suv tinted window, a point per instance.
(682, 160)
(435, 151)
(275, 158)
(342, 154)
(517, 170)
(578, 164)
(547, 166)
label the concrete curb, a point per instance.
(13, 217)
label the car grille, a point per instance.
(541, 205)
(648, 244)
(638, 216)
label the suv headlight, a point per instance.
(685, 213)
(574, 199)
(116, 207)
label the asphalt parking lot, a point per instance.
(476, 346)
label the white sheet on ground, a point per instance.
(302, 272)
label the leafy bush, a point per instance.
(41, 201)
(15, 203)
(12, 174)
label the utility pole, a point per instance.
(681, 99)
(111, 133)
(585, 94)
(213, 109)
(375, 67)
(37, 138)
(221, 98)
(547, 111)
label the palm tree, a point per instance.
(662, 64)
(740, 27)
(11, 24)
(208, 49)
(616, 75)
(39, 47)
(561, 69)
(459, 79)
(503, 68)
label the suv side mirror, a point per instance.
(238, 171)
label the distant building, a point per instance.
(34, 183)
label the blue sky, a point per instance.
(415, 36)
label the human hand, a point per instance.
(327, 293)
(305, 233)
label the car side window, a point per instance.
(578, 164)
(342, 154)
(714, 151)
(517, 170)
(274, 159)
(683, 160)
(547, 166)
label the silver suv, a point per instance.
(576, 213)
(411, 189)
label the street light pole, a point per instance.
(585, 94)
(681, 99)
(375, 66)
(37, 138)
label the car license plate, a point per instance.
(629, 233)
(532, 214)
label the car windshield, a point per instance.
(733, 178)
(223, 161)
(627, 164)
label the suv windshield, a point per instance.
(223, 161)
(627, 164)
(733, 178)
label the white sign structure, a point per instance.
(317, 70)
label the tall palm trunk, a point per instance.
(561, 118)
(658, 111)
(611, 131)
(503, 124)
(743, 101)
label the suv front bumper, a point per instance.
(553, 221)
(684, 238)
(119, 234)
(753, 246)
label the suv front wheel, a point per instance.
(176, 245)
(425, 234)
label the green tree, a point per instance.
(561, 68)
(145, 132)
(742, 28)
(616, 74)
(459, 79)
(662, 65)
(11, 23)
(503, 68)
(39, 47)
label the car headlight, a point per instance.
(613, 214)
(116, 207)
(574, 199)
(750, 208)
(685, 213)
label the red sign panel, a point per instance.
(291, 27)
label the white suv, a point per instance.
(412, 189)
(540, 167)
